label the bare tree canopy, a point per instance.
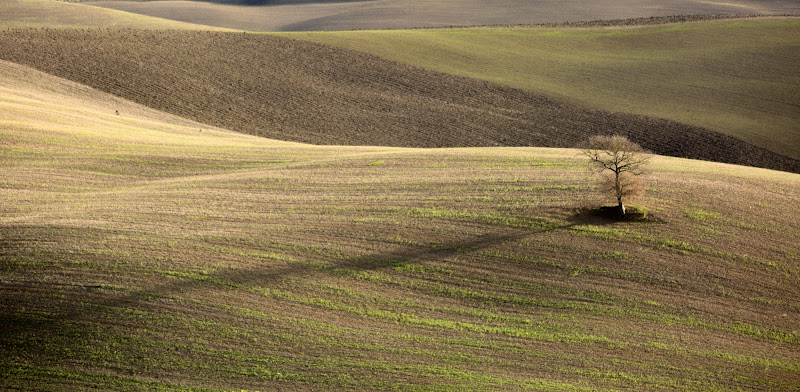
(623, 159)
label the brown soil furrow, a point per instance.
(293, 90)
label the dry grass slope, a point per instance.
(142, 251)
(279, 88)
(59, 14)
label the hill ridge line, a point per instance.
(626, 22)
(278, 88)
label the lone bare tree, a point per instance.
(623, 159)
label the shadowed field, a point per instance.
(400, 14)
(279, 88)
(142, 251)
(737, 77)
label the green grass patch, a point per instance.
(262, 265)
(713, 74)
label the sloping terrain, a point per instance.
(141, 251)
(399, 14)
(739, 77)
(58, 14)
(294, 90)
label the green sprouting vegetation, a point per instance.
(137, 253)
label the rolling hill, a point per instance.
(149, 241)
(292, 15)
(59, 14)
(278, 88)
(143, 251)
(740, 77)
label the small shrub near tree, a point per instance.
(620, 162)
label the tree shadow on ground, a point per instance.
(388, 258)
(86, 302)
(607, 215)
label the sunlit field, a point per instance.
(141, 251)
(737, 77)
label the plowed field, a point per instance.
(739, 77)
(307, 92)
(139, 254)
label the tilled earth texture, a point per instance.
(299, 91)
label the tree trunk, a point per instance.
(618, 188)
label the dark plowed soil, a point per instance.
(292, 90)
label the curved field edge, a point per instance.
(59, 14)
(403, 14)
(141, 251)
(739, 77)
(278, 88)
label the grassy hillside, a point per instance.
(738, 77)
(140, 251)
(326, 15)
(276, 87)
(58, 14)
